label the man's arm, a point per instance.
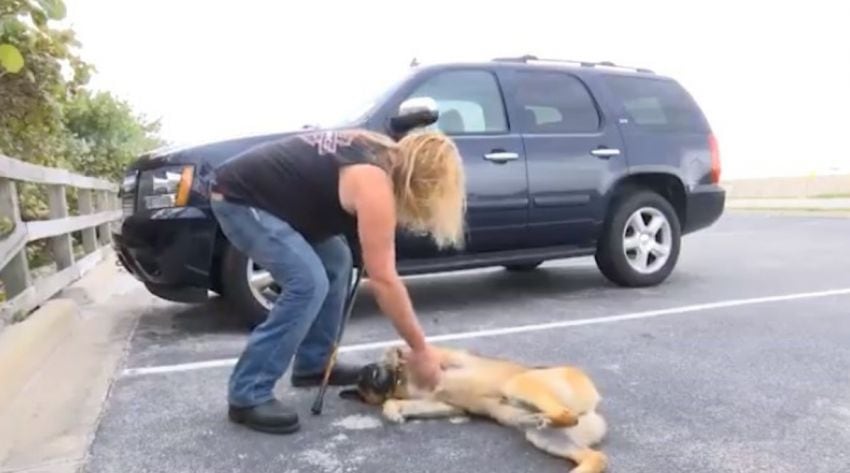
(369, 194)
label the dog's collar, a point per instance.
(398, 380)
(398, 377)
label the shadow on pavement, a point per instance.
(493, 288)
(447, 292)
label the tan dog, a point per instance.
(554, 406)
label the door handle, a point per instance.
(605, 152)
(501, 156)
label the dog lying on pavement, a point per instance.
(554, 406)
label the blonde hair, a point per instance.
(428, 183)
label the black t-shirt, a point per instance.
(296, 179)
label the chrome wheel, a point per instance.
(263, 287)
(647, 240)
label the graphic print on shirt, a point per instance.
(327, 142)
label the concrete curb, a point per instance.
(837, 204)
(64, 359)
(792, 207)
(24, 346)
(811, 213)
(788, 187)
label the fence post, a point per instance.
(63, 252)
(102, 205)
(115, 205)
(87, 207)
(16, 274)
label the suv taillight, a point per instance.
(715, 158)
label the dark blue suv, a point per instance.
(562, 159)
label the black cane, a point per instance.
(349, 305)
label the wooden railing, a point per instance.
(98, 206)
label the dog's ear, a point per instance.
(394, 356)
(352, 394)
(400, 355)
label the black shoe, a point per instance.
(271, 417)
(341, 375)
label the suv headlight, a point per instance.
(165, 187)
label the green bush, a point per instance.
(49, 117)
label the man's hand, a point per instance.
(425, 366)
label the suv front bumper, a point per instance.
(169, 250)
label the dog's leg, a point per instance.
(557, 442)
(398, 410)
(527, 389)
(509, 415)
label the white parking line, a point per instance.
(228, 362)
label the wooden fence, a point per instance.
(98, 207)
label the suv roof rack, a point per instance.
(532, 58)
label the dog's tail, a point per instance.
(558, 442)
(590, 461)
(589, 431)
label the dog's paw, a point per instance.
(541, 421)
(535, 420)
(392, 412)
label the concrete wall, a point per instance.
(779, 187)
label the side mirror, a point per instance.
(413, 113)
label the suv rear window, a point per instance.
(655, 104)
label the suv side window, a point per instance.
(555, 102)
(469, 102)
(659, 105)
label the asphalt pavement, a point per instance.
(740, 362)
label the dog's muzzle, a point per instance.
(375, 379)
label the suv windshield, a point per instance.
(365, 106)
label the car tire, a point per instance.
(237, 291)
(641, 229)
(523, 267)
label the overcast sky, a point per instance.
(774, 80)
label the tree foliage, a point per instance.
(32, 99)
(107, 133)
(47, 115)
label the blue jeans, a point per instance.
(303, 322)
